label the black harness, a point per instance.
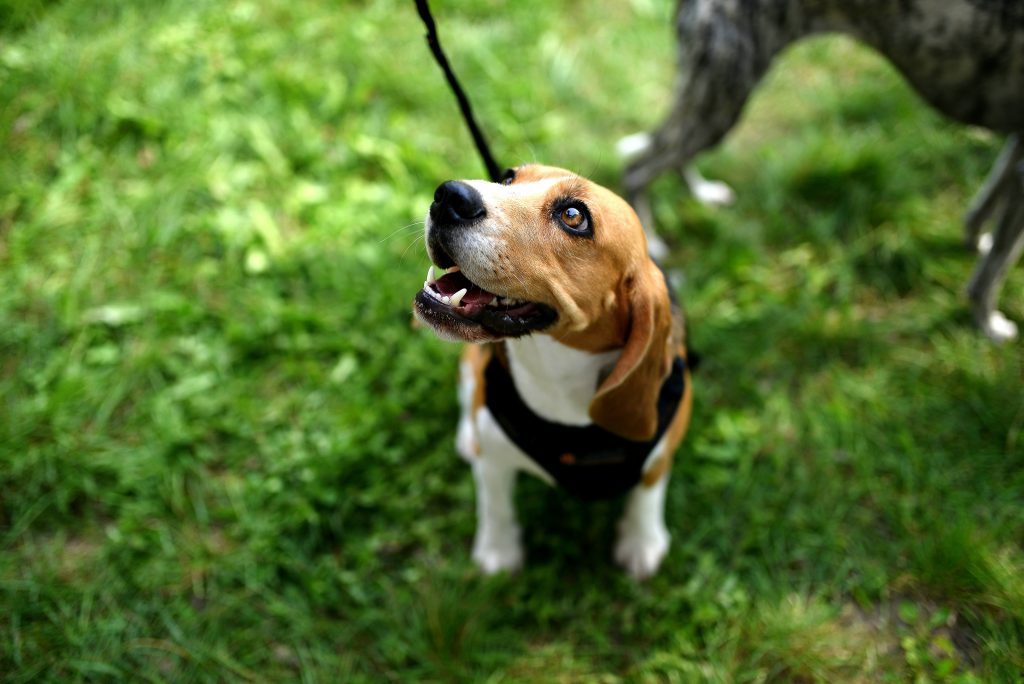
(589, 462)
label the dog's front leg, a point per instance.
(497, 545)
(643, 538)
(992, 195)
(987, 280)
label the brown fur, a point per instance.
(538, 261)
(605, 288)
(476, 356)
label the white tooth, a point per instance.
(426, 285)
(493, 302)
(453, 269)
(446, 300)
(430, 275)
(456, 298)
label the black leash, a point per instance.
(467, 111)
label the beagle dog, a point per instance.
(576, 368)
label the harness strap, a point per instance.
(587, 461)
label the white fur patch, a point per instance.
(985, 243)
(632, 146)
(999, 328)
(643, 538)
(710, 192)
(557, 382)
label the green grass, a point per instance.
(226, 455)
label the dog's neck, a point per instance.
(556, 381)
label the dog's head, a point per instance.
(547, 251)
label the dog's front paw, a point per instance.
(999, 328)
(494, 553)
(640, 550)
(710, 192)
(713, 193)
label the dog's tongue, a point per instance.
(475, 297)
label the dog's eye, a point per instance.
(574, 219)
(507, 177)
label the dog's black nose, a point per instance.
(457, 202)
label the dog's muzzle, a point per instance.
(452, 303)
(456, 206)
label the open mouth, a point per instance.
(456, 306)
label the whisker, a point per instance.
(414, 224)
(406, 250)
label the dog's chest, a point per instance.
(586, 460)
(555, 381)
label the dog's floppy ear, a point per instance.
(626, 403)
